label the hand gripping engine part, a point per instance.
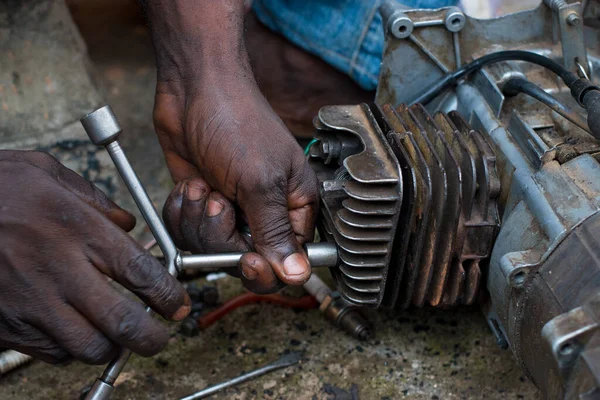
(103, 129)
(478, 197)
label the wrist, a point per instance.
(194, 38)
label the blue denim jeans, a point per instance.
(347, 34)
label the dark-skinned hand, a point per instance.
(60, 238)
(213, 123)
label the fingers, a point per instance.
(93, 196)
(33, 342)
(172, 215)
(257, 275)
(204, 221)
(118, 256)
(303, 201)
(201, 220)
(75, 334)
(123, 321)
(272, 232)
(84, 189)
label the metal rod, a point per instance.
(457, 55)
(145, 205)
(319, 255)
(103, 129)
(285, 361)
(428, 53)
(317, 288)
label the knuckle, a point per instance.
(98, 197)
(275, 230)
(162, 294)
(271, 190)
(55, 355)
(43, 159)
(127, 321)
(141, 271)
(92, 350)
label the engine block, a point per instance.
(478, 183)
(411, 203)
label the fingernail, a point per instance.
(249, 273)
(184, 310)
(194, 192)
(295, 264)
(213, 208)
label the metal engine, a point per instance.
(483, 191)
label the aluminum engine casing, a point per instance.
(540, 288)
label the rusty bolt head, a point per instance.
(573, 19)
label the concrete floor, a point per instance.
(420, 354)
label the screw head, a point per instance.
(573, 19)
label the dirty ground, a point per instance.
(420, 354)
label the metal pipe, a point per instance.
(103, 129)
(317, 288)
(285, 361)
(323, 254)
(145, 205)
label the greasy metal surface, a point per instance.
(361, 193)
(421, 354)
(407, 70)
(445, 266)
(545, 196)
(438, 222)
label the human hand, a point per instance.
(60, 238)
(213, 122)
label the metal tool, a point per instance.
(319, 255)
(339, 311)
(285, 361)
(103, 129)
(11, 359)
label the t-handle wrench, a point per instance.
(103, 129)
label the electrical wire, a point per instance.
(519, 85)
(309, 145)
(509, 55)
(304, 303)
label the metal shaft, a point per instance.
(145, 205)
(103, 129)
(284, 361)
(319, 255)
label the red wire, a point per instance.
(304, 303)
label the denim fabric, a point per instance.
(347, 34)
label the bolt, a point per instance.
(573, 19)
(210, 295)
(189, 327)
(195, 293)
(567, 350)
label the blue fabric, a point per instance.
(347, 34)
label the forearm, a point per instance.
(194, 39)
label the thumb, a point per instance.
(274, 238)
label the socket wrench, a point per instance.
(103, 129)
